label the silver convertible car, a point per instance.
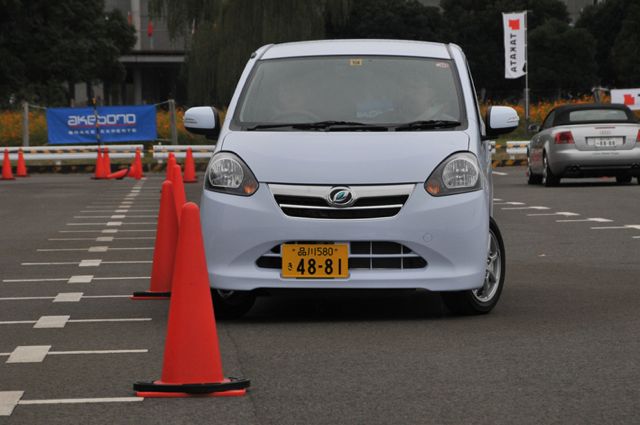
(585, 140)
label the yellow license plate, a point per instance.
(309, 261)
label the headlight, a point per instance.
(457, 174)
(228, 173)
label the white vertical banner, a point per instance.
(515, 33)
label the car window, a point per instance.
(368, 89)
(548, 122)
(588, 115)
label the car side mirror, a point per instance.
(501, 120)
(534, 128)
(203, 120)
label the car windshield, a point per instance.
(357, 93)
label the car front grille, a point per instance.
(312, 201)
(362, 255)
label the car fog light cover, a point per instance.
(459, 173)
(229, 174)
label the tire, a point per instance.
(623, 179)
(638, 180)
(232, 304)
(485, 298)
(548, 178)
(533, 178)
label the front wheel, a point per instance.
(485, 298)
(231, 304)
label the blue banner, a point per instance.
(111, 124)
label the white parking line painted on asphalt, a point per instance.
(509, 203)
(48, 322)
(562, 213)
(25, 298)
(499, 173)
(106, 231)
(8, 401)
(124, 277)
(28, 354)
(82, 400)
(84, 278)
(68, 297)
(37, 353)
(58, 263)
(114, 223)
(497, 200)
(596, 219)
(90, 263)
(525, 208)
(34, 280)
(65, 297)
(128, 262)
(103, 239)
(58, 322)
(626, 226)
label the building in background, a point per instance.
(153, 67)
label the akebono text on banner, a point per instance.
(515, 33)
(107, 124)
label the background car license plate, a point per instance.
(308, 261)
(604, 142)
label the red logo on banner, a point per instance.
(629, 99)
(514, 24)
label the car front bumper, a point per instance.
(451, 233)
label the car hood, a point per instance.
(344, 157)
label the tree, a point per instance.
(392, 19)
(52, 45)
(225, 33)
(626, 50)
(603, 21)
(563, 58)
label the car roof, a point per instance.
(358, 48)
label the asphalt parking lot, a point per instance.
(560, 347)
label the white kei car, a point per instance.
(359, 164)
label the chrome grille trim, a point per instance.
(307, 201)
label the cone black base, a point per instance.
(147, 295)
(231, 384)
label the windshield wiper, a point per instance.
(322, 125)
(427, 125)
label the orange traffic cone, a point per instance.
(21, 170)
(7, 174)
(192, 364)
(164, 251)
(178, 190)
(138, 163)
(106, 162)
(171, 161)
(190, 168)
(99, 173)
(119, 175)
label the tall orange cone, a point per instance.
(171, 161)
(178, 189)
(192, 363)
(7, 174)
(138, 163)
(190, 168)
(21, 170)
(99, 173)
(106, 161)
(164, 251)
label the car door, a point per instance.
(536, 146)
